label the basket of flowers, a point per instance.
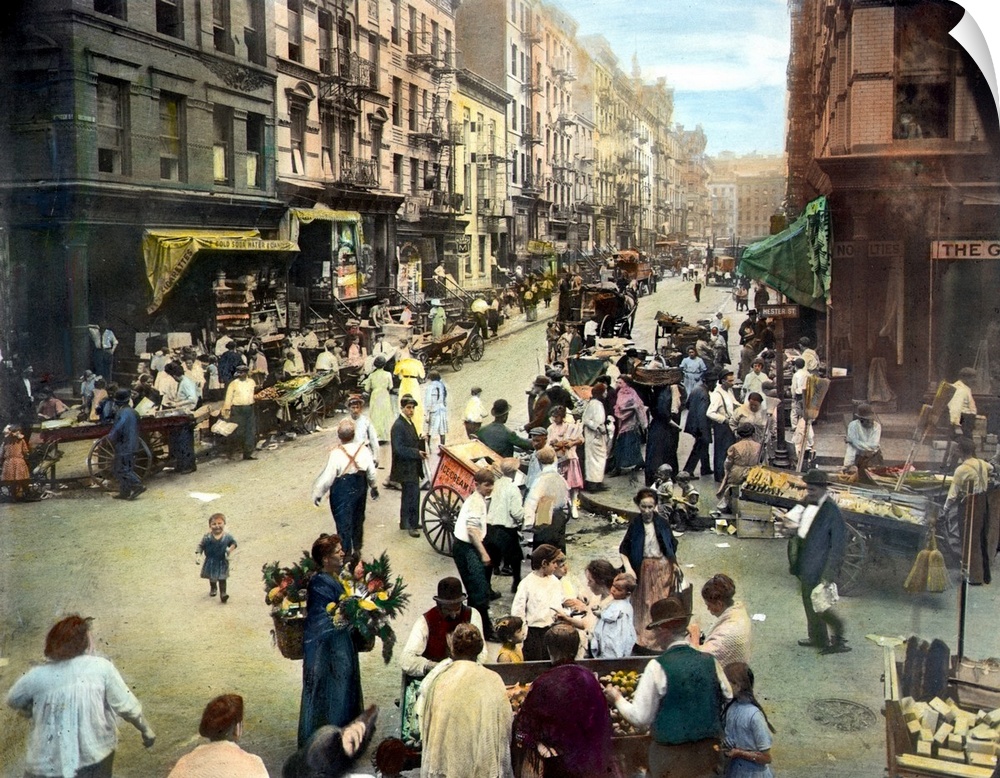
(371, 600)
(286, 594)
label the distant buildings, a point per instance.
(746, 191)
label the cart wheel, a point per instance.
(314, 413)
(476, 348)
(422, 356)
(457, 360)
(100, 461)
(157, 442)
(607, 328)
(854, 561)
(438, 514)
(44, 462)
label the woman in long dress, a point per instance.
(631, 420)
(331, 673)
(565, 434)
(380, 411)
(595, 439)
(410, 371)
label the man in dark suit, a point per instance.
(816, 554)
(498, 436)
(408, 457)
(698, 426)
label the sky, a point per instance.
(725, 59)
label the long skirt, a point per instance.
(569, 469)
(724, 438)
(628, 450)
(597, 455)
(656, 581)
(382, 413)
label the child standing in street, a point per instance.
(215, 545)
(614, 633)
(747, 740)
(474, 412)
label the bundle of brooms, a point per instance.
(929, 572)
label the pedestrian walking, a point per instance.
(411, 372)
(408, 457)
(721, 407)
(471, 557)
(698, 426)
(697, 291)
(474, 413)
(364, 429)
(73, 700)
(437, 317)
(435, 407)
(348, 467)
(378, 384)
(124, 436)
(239, 406)
(215, 546)
(816, 554)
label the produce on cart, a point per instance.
(302, 400)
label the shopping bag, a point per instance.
(224, 428)
(824, 596)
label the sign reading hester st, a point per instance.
(787, 311)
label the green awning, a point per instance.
(796, 261)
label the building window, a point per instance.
(513, 59)
(513, 168)
(222, 143)
(397, 101)
(373, 59)
(221, 31)
(255, 150)
(482, 255)
(397, 21)
(412, 110)
(326, 52)
(168, 18)
(295, 30)
(924, 73)
(171, 137)
(435, 41)
(513, 115)
(114, 8)
(112, 114)
(397, 173)
(448, 60)
(253, 33)
(411, 33)
(376, 137)
(414, 175)
(297, 115)
(327, 123)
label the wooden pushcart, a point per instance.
(451, 484)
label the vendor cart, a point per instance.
(629, 748)
(450, 348)
(154, 433)
(451, 484)
(614, 311)
(305, 401)
(880, 523)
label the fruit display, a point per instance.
(775, 483)
(624, 681)
(870, 506)
(270, 393)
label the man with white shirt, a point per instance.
(680, 697)
(350, 464)
(802, 431)
(105, 343)
(326, 360)
(816, 554)
(754, 380)
(471, 557)
(721, 407)
(962, 406)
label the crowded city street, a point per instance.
(131, 565)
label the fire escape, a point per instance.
(531, 132)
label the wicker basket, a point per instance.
(658, 376)
(288, 634)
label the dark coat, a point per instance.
(697, 422)
(124, 434)
(502, 440)
(635, 536)
(822, 552)
(407, 464)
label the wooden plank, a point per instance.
(933, 766)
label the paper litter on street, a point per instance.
(758, 617)
(722, 545)
(204, 496)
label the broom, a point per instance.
(937, 571)
(916, 581)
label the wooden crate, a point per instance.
(754, 519)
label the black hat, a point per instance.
(670, 609)
(123, 396)
(500, 407)
(406, 400)
(241, 369)
(815, 477)
(449, 591)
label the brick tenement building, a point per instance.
(893, 121)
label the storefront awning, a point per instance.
(306, 215)
(796, 261)
(168, 253)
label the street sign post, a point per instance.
(780, 313)
(785, 311)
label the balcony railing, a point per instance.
(443, 202)
(347, 67)
(532, 185)
(359, 172)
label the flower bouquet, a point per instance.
(370, 601)
(286, 594)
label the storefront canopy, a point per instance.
(796, 261)
(169, 252)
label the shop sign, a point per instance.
(965, 249)
(408, 252)
(779, 311)
(539, 247)
(863, 249)
(452, 473)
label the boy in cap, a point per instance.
(124, 436)
(239, 405)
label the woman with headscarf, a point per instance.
(565, 434)
(595, 438)
(378, 384)
(632, 420)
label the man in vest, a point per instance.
(428, 641)
(680, 696)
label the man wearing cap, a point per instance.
(864, 436)
(428, 641)
(539, 439)
(816, 554)
(326, 360)
(546, 505)
(239, 405)
(228, 362)
(498, 436)
(962, 406)
(721, 407)
(408, 457)
(124, 436)
(437, 318)
(349, 465)
(680, 697)
(974, 540)
(748, 329)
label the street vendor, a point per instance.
(498, 436)
(438, 317)
(962, 406)
(379, 313)
(864, 437)
(972, 533)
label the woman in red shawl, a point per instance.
(564, 723)
(631, 420)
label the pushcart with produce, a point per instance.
(451, 348)
(880, 523)
(613, 310)
(305, 401)
(629, 746)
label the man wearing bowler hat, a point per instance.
(428, 641)
(815, 554)
(680, 697)
(498, 436)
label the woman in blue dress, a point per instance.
(331, 673)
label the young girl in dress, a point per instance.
(510, 632)
(614, 634)
(15, 473)
(747, 739)
(216, 545)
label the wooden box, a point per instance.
(754, 519)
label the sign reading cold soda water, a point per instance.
(779, 311)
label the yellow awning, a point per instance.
(167, 253)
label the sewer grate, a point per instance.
(842, 715)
